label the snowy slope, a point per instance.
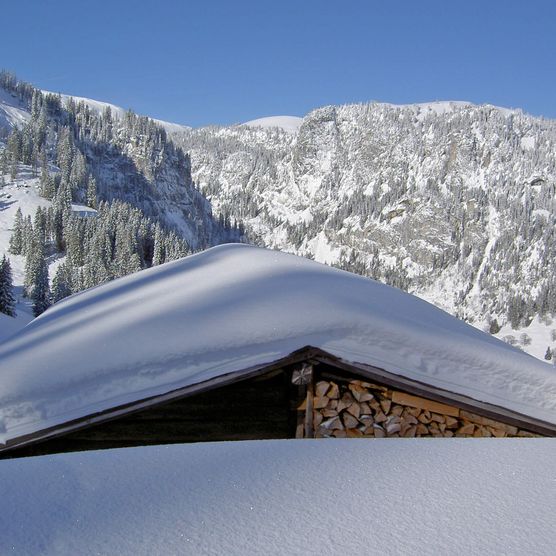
(235, 306)
(12, 111)
(291, 124)
(98, 107)
(140, 166)
(452, 201)
(22, 193)
(296, 497)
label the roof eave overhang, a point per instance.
(317, 355)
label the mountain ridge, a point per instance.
(449, 200)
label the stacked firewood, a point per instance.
(362, 409)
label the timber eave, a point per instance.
(307, 353)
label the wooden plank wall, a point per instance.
(252, 409)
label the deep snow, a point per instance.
(391, 496)
(235, 306)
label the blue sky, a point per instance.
(225, 62)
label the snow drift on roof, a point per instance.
(235, 306)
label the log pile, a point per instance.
(358, 408)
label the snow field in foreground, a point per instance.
(394, 496)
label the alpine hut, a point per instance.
(239, 342)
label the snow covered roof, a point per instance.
(233, 307)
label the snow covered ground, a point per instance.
(293, 497)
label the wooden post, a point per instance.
(303, 378)
(309, 432)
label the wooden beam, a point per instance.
(402, 398)
(309, 431)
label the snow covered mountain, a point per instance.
(60, 159)
(130, 156)
(449, 200)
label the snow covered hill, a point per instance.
(99, 107)
(287, 123)
(22, 193)
(449, 200)
(296, 497)
(75, 149)
(13, 112)
(132, 159)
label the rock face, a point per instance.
(130, 156)
(451, 201)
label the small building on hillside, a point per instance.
(240, 343)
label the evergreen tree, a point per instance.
(158, 250)
(494, 327)
(7, 300)
(39, 225)
(3, 163)
(27, 235)
(62, 282)
(41, 289)
(92, 192)
(16, 239)
(34, 257)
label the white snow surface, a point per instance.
(12, 111)
(117, 111)
(232, 307)
(440, 107)
(291, 124)
(294, 497)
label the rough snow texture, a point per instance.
(296, 497)
(235, 306)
